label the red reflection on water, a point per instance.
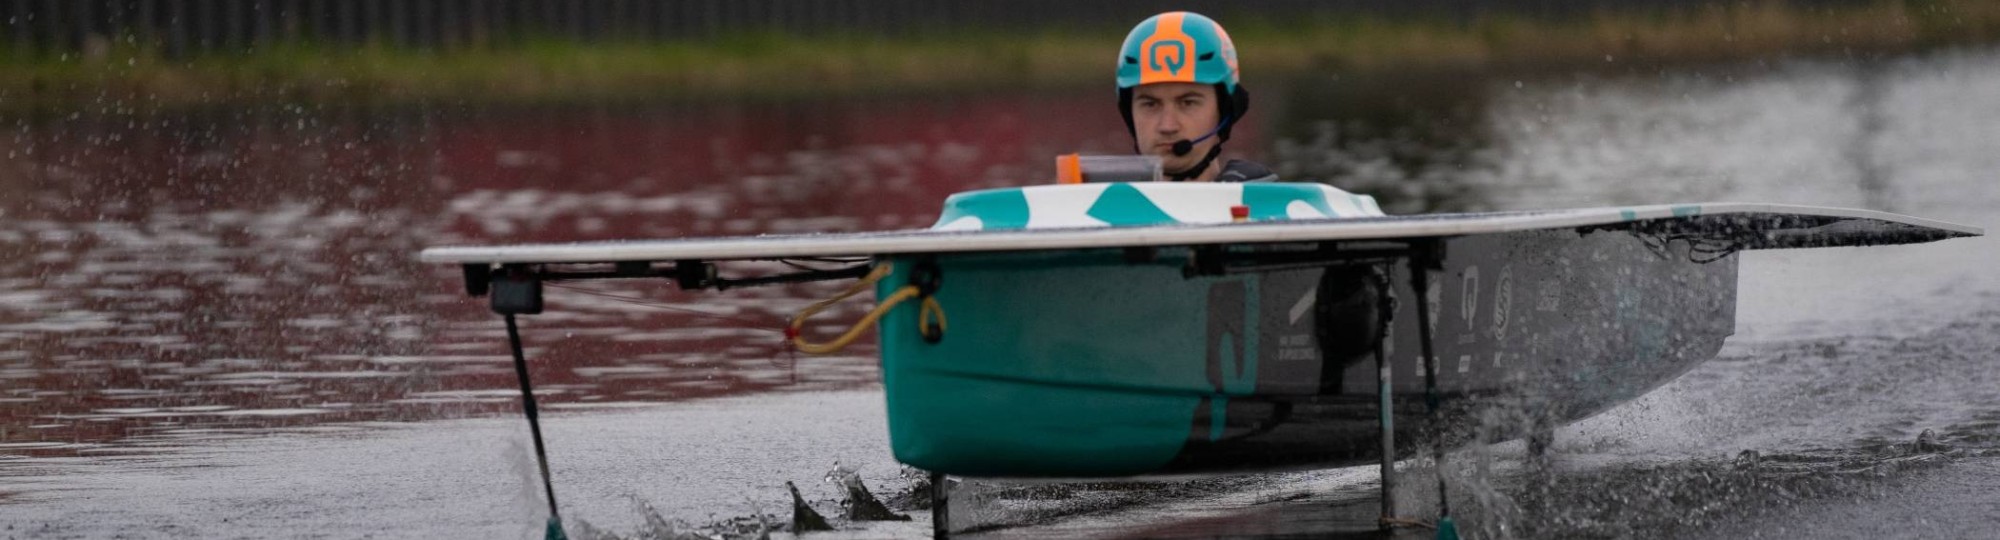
(165, 278)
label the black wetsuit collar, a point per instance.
(1196, 170)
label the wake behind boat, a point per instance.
(1119, 329)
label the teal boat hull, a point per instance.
(1118, 362)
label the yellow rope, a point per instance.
(930, 309)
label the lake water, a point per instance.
(212, 323)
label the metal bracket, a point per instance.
(926, 276)
(478, 277)
(940, 505)
(1205, 261)
(1427, 253)
(691, 275)
(516, 290)
(694, 275)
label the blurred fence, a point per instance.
(180, 27)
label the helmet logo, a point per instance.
(1167, 51)
(1173, 63)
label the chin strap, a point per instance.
(1198, 167)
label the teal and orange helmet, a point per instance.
(1182, 46)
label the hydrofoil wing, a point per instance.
(1743, 226)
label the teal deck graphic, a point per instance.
(1135, 204)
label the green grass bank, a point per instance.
(121, 75)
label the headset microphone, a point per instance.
(1184, 146)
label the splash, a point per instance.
(861, 505)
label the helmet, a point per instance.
(1181, 46)
(1159, 50)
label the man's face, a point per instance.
(1166, 113)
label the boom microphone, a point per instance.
(1184, 146)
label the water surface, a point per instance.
(212, 323)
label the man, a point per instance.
(1179, 92)
(1180, 95)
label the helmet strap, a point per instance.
(1198, 167)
